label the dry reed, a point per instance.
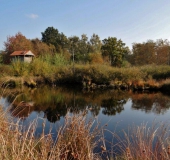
(145, 143)
(76, 140)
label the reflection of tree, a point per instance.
(55, 102)
(155, 102)
(112, 106)
(144, 103)
(54, 114)
(94, 108)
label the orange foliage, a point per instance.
(17, 43)
(96, 58)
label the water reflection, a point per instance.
(55, 102)
(147, 102)
(112, 106)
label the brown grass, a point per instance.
(75, 141)
(146, 143)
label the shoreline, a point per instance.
(86, 84)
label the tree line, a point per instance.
(150, 52)
(83, 50)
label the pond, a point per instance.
(116, 108)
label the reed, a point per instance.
(145, 143)
(76, 140)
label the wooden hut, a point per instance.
(24, 56)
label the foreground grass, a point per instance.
(146, 143)
(74, 141)
(78, 138)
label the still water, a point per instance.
(118, 109)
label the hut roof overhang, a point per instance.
(22, 53)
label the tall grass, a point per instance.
(75, 141)
(146, 143)
(20, 68)
(56, 59)
(156, 72)
(78, 138)
(56, 69)
(5, 70)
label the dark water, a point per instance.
(117, 109)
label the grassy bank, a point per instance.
(56, 71)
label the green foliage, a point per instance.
(5, 70)
(20, 68)
(59, 60)
(51, 67)
(125, 63)
(55, 69)
(157, 72)
(81, 47)
(53, 37)
(95, 43)
(115, 50)
(56, 59)
(1, 58)
(40, 68)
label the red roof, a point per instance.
(21, 53)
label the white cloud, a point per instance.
(33, 16)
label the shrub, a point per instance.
(96, 58)
(5, 70)
(19, 68)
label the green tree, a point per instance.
(74, 47)
(83, 46)
(80, 48)
(1, 58)
(95, 44)
(2, 53)
(53, 37)
(114, 49)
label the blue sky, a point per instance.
(129, 20)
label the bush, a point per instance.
(96, 58)
(19, 68)
(157, 72)
(6, 70)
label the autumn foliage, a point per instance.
(84, 50)
(17, 43)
